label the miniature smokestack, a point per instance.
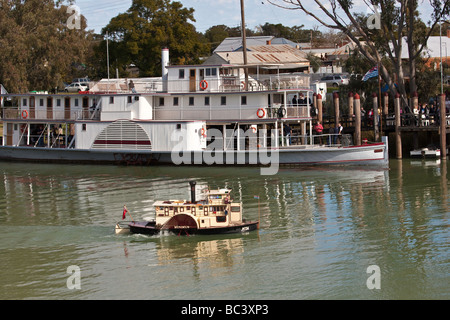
(193, 183)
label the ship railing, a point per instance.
(232, 112)
(224, 83)
(44, 138)
(329, 140)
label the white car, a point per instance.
(76, 87)
(335, 80)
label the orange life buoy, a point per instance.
(24, 114)
(261, 113)
(203, 132)
(203, 84)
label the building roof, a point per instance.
(262, 55)
(235, 43)
(432, 48)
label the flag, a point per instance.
(371, 73)
(256, 197)
(124, 214)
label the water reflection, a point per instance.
(316, 225)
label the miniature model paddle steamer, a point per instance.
(216, 214)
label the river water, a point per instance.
(322, 231)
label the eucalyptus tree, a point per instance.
(380, 32)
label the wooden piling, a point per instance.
(398, 123)
(319, 108)
(336, 108)
(357, 108)
(376, 131)
(350, 104)
(443, 124)
(386, 104)
(315, 103)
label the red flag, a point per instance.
(124, 213)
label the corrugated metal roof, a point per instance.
(235, 43)
(268, 54)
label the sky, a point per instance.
(209, 13)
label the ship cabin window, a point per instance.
(41, 102)
(181, 74)
(193, 211)
(83, 127)
(24, 102)
(207, 101)
(223, 101)
(130, 99)
(111, 100)
(178, 126)
(211, 72)
(221, 219)
(161, 101)
(58, 102)
(191, 101)
(175, 101)
(76, 102)
(181, 209)
(244, 100)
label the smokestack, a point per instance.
(164, 61)
(193, 183)
(164, 64)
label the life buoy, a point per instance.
(203, 133)
(24, 114)
(261, 113)
(281, 112)
(203, 84)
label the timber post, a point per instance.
(398, 123)
(357, 103)
(376, 131)
(336, 109)
(443, 126)
(319, 108)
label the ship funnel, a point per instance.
(164, 61)
(164, 64)
(193, 183)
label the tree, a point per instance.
(377, 35)
(38, 49)
(149, 25)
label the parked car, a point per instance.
(77, 87)
(335, 80)
(81, 80)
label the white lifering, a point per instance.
(261, 113)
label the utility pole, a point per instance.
(244, 45)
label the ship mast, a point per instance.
(244, 45)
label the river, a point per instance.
(326, 233)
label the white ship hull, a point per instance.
(375, 154)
